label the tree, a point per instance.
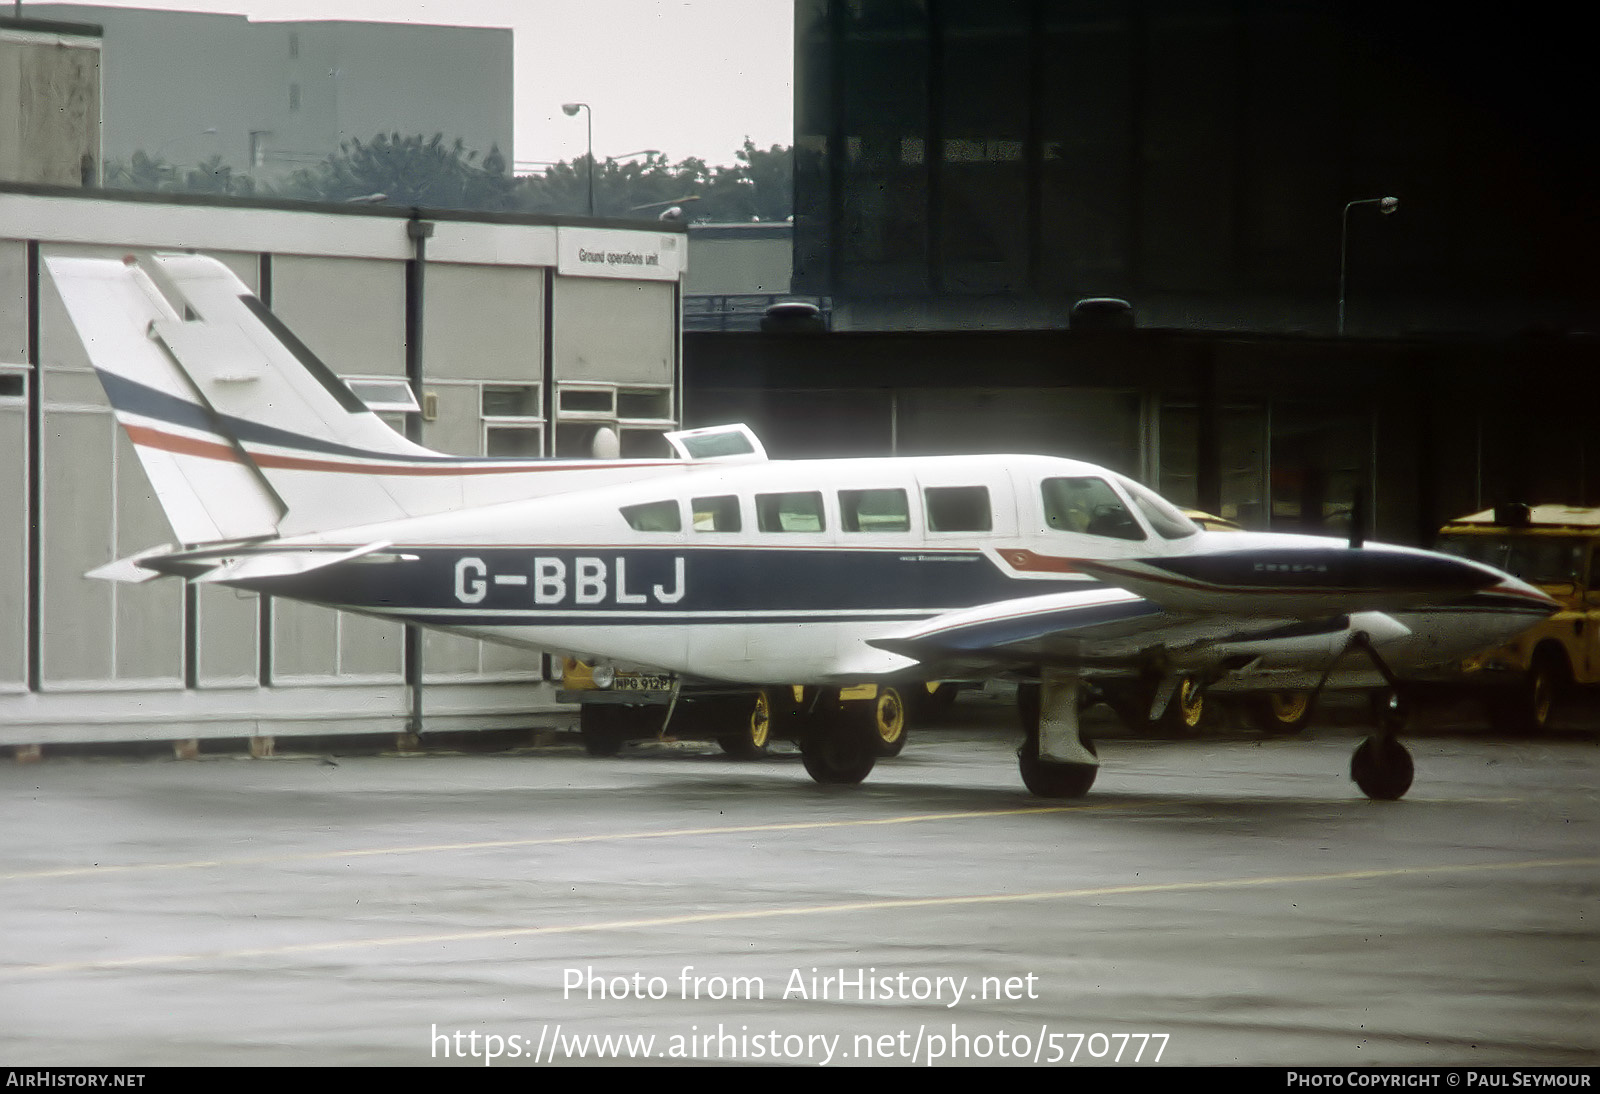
(212, 176)
(142, 172)
(758, 187)
(434, 173)
(407, 171)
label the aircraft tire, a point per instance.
(1051, 780)
(1043, 778)
(1280, 713)
(839, 751)
(753, 719)
(1382, 768)
(603, 728)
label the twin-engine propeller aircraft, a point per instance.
(732, 571)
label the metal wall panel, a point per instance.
(350, 311)
(619, 331)
(483, 323)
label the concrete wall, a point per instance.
(49, 103)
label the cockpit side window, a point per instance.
(653, 516)
(1087, 505)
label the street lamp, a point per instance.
(1385, 206)
(571, 111)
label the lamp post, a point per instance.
(571, 111)
(1385, 206)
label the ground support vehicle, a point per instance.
(1552, 547)
(616, 706)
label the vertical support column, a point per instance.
(418, 231)
(35, 446)
(263, 600)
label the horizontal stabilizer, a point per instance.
(282, 563)
(130, 570)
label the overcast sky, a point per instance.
(687, 77)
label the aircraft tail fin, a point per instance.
(246, 434)
(243, 431)
(208, 488)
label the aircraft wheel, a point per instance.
(1052, 780)
(603, 727)
(839, 751)
(1382, 768)
(754, 729)
(1279, 713)
(885, 717)
(1527, 706)
(1187, 712)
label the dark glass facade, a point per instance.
(989, 162)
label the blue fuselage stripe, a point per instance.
(668, 584)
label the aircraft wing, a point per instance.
(1190, 607)
(1094, 628)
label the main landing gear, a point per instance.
(840, 742)
(1055, 761)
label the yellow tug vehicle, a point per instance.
(1552, 547)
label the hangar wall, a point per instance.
(525, 350)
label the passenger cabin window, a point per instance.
(719, 514)
(653, 516)
(958, 508)
(1089, 506)
(796, 512)
(874, 511)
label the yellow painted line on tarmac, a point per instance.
(549, 841)
(750, 914)
(100, 869)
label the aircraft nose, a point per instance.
(1517, 589)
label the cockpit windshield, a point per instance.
(1168, 521)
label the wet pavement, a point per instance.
(1228, 899)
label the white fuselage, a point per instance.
(783, 572)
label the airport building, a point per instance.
(1150, 233)
(988, 163)
(516, 343)
(508, 338)
(269, 98)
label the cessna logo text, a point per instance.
(580, 580)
